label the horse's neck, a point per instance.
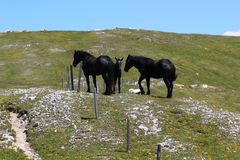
(89, 56)
(117, 66)
(137, 63)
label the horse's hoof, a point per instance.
(106, 93)
(169, 96)
(148, 93)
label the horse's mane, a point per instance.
(141, 57)
(85, 53)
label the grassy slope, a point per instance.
(28, 60)
(200, 59)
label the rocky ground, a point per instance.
(6, 136)
(56, 109)
(228, 122)
(145, 118)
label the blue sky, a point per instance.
(181, 16)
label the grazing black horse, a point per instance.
(118, 73)
(102, 65)
(147, 67)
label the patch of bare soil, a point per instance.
(21, 143)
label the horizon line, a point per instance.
(92, 30)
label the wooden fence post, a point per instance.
(95, 102)
(79, 76)
(128, 135)
(62, 84)
(82, 86)
(68, 86)
(98, 88)
(158, 151)
(71, 78)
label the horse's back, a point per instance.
(168, 68)
(161, 68)
(166, 65)
(104, 61)
(104, 64)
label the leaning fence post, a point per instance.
(68, 86)
(128, 135)
(95, 102)
(62, 84)
(71, 78)
(98, 87)
(158, 151)
(79, 76)
(82, 86)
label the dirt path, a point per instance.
(19, 127)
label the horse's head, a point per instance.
(128, 64)
(77, 57)
(118, 61)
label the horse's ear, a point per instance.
(121, 59)
(116, 58)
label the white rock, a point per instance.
(32, 97)
(134, 91)
(142, 126)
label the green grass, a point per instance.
(191, 54)
(207, 140)
(26, 60)
(9, 154)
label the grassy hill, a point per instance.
(198, 122)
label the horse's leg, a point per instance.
(106, 83)
(114, 83)
(148, 85)
(87, 79)
(119, 84)
(171, 89)
(111, 82)
(169, 86)
(139, 83)
(95, 82)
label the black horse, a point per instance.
(147, 67)
(118, 73)
(102, 65)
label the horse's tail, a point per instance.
(174, 74)
(174, 77)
